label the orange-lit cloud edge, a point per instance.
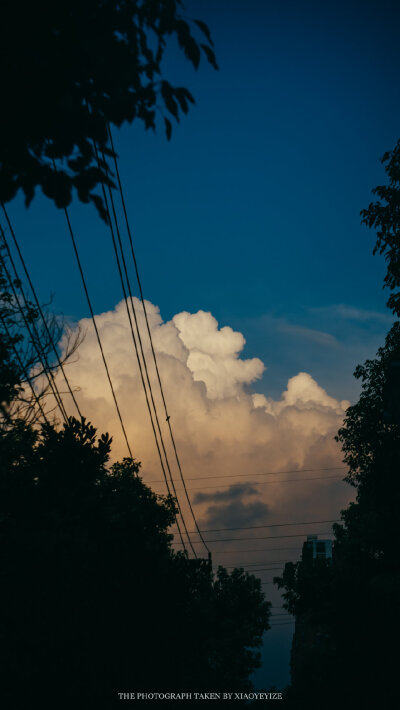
(220, 423)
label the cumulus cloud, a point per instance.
(302, 393)
(221, 427)
(214, 355)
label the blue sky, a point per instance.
(252, 210)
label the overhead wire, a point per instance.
(254, 549)
(266, 569)
(255, 527)
(274, 525)
(49, 335)
(167, 416)
(23, 368)
(258, 570)
(275, 537)
(270, 483)
(147, 388)
(263, 473)
(30, 327)
(245, 565)
(83, 279)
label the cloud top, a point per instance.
(214, 355)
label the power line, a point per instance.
(125, 295)
(141, 350)
(275, 537)
(51, 341)
(264, 473)
(35, 340)
(254, 549)
(255, 571)
(23, 369)
(261, 569)
(275, 525)
(95, 324)
(267, 483)
(271, 483)
(167, 416)
(245, 565)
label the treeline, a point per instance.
(94, 601)
(347, 609)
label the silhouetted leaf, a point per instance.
(206, 32)
(79, 67)
(170, 103)
(168, 128)
(210, 55)
(98, 202)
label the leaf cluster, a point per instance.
(68, 70)
(28, 337)
(384, 216)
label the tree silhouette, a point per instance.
(94, 599)
(383, 215)
(69, 69)
(347, 611)
(28, 338)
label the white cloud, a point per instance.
(352, 313)
(302, 393)
(213, 355)
(314, 336)
(220, 428)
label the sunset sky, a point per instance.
(262, 290)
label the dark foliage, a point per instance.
(94, 600)
(347, 610)
(70, 67)
(26, 329)
(10, 372)
(384, 217)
